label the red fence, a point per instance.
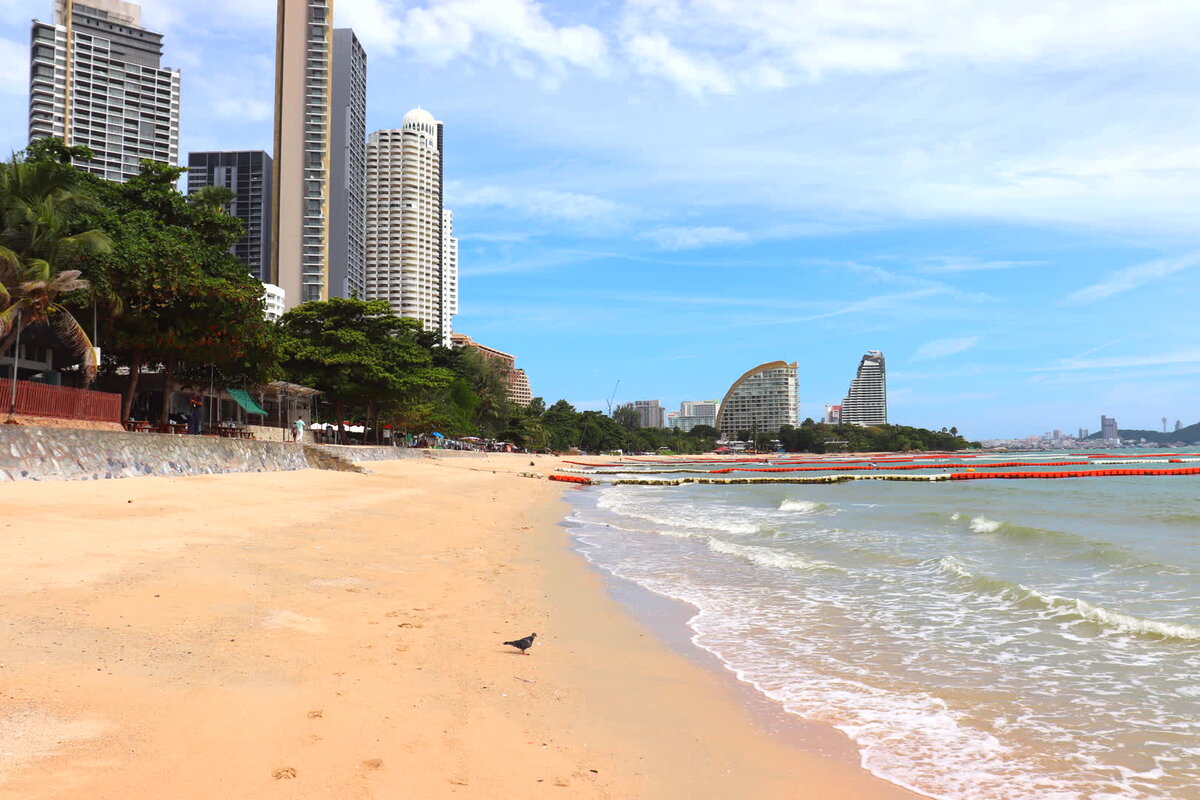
(44, 400)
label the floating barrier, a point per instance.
(572, 479)
(945, 476)
(1079, 473)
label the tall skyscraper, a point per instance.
(761, 401)
(866, 402)
(248, 174)
(348, 167)
(300, 195)
(412, 257)
(1108, 428)
(95, 80)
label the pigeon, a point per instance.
(523, 644)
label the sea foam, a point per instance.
(801, 506)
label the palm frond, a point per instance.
(67, 281)
(9, 317)
(72, 334)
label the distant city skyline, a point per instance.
(961, 201)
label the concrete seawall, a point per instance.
(68, 454)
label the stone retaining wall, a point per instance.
(385, 453)
(28, 453)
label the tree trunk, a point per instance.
(164, 416)
(337, 410)
(135, 372)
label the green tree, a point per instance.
(561, 423)
(362, 356)
(627, 417)
(186, 301)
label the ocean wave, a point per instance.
(765, 556)
(802, 506)
(1028, 597)
(984, 525)
(664, 516)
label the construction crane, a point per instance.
(608, 402)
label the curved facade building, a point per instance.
(762, 400)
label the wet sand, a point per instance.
(333, 635)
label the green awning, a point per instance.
(243, 399)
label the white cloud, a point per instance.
(940, 348)
(14, 67)
(654, 54)
(952, 265)
(1134, 277)
(488, 30)
(1191, 356)
(767, 41)
(544, 203)
(690, 238)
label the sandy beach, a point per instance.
(334, 635)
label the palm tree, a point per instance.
(37, 201)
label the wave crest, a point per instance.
(1026, 596)
(764, 556)
(802, 506)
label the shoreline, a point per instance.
(335, 635)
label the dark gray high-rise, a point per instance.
(347, 167)
(248, 174)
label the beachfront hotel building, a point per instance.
(317, 228)
(866, 402)
(95, 79)
(412, 255)
(694, 412)
(519, 391)
(761, 401)
(246, 173)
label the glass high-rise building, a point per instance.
(247, 174)
(348, 167)
(866, 402)
(96, 80)
(412, 255)
(761, 401)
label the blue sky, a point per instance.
(1000, 196)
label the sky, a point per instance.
(1002, 197)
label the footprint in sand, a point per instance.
(373, 763)
(284, 773)
(316, 714)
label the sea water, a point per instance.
(983, 640)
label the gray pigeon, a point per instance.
(523, 644)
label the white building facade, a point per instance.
(95, 80)
(695, 412)
(866, 402)
(412, 255)
(274, 302)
